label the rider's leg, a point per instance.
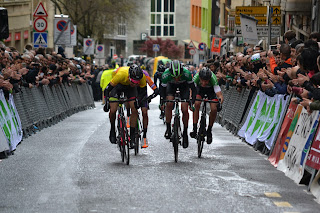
(133, 121)
(112, 117)
(212, 118)
(197, 105)
(145, 126)
(185, 120)
(169, 107)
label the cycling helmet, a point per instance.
(205, 73)
(175, 68)
(135, 72)
(161, 68)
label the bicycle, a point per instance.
(123, 135)
(176, 130)
(203, 123)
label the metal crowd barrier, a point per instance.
(235, 108)
(41, 107)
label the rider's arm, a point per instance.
(192, 86)
(156, 78)
(108, 89)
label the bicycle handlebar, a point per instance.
(121, 101)
(207, 101)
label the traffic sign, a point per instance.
(61, 36)
(202, 46)
(115, 56)
(262, 31)
(40, 24)
(40, 11)
(156, 47)
(191, 45)
(192, 51)
(88, 46)
(40, 39)
(100, 51)
(62, 25)
(262, 10)
(262, 20)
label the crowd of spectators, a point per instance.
(36, 67)
(292, 67)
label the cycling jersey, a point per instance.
(106, 78)
(121, 76)
(212, 82)
(186, 76)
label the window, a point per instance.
(162, 18)
(122, 28)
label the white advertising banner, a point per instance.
(4, 143)
(294, 160)
(249, 29)
(10, 121)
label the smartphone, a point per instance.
(272, 47)
(41, 74)
(24, 65)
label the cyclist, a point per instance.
(126, 80)
(158, 76)
(144, 100)
(176, 76)
(207, 84)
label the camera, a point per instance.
(272, 47)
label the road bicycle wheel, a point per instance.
(175, 141)
(200, 139)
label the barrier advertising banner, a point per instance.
(315, 187)
(294, 160)
(276, 112)
(274, 157)
(263, 119)
(9, 122)
(314, 154)
(4, 144)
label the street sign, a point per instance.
(40, 24)
(191, 45)
(115, 56)
(202, 46)
(40, 39)
(88, 46)
(156, 48)
(192, 51)
(100, 51)
(216, 45)
(62, 31)
(262, 20)
(40, 11)
(73, 32)
(262, 10)
(262, 31)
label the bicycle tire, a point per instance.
(137, 138)
(122, 142)
(175, 141)
(126, 147)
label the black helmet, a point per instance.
(161, 68)
(205, 73)
(135, 72)
(175, 68)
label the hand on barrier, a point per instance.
(219, 107)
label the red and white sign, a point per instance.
(26, 34)
(40, 24)
(192, 51)
(40, 11)
(191, 45)
(115, 56)
(17, 36)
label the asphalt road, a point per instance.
(72, 167)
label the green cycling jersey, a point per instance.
(212, 82)
(186, 76)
